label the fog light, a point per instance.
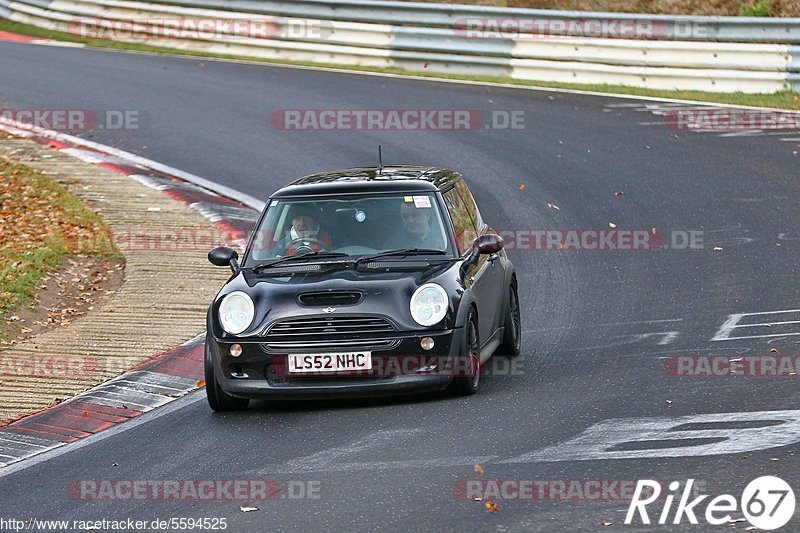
(426, 343)
(236, 350)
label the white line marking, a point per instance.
(767, 324)
(60, 44)
(625, 340)
(599, 441)
(759, 336)
(330, 460)
(608, 325)
(732, 322)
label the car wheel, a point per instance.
(512, 332)
(218, 399)
(463, 385)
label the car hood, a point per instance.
(381, 293)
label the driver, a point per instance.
(305, 235)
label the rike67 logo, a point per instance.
(767, 503)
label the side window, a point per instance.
(462, 220)
(470, 204)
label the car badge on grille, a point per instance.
(329, 309)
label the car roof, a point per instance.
(394, 178)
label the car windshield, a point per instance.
(352, 225)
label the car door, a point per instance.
(485, 277)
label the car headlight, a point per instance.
(429, 304)
(236, 312)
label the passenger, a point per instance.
(417, 230)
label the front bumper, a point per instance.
(404, 369)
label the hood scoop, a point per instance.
(330, 298)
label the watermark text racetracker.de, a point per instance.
(207, 490)
(66, 120)
(528, 28)
(731, 120)
(396, 119)
(522, 28)
(733, 366)
(47, 365)
(239, 28)
(545, 489)
(599, 239)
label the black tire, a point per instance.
(470, 361)
(219, 400)
(512, 331)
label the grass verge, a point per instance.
(40, 223)
(786, 99)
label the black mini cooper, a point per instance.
(359, 283)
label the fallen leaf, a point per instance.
(491, 507)
(604, 523)
(619, 193)
(773, 350)
(246, 509)
(201, 383)
(478, 469)
(612, 225)
(522, 186)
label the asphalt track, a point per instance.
(598, 325)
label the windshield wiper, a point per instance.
(399, 253)
(288, 259)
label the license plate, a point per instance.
(330, 362)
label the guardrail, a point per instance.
(723, 54)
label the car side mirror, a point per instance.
(224, 256)
(489, 243)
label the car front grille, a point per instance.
(328, 334)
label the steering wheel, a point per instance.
(302, 243)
